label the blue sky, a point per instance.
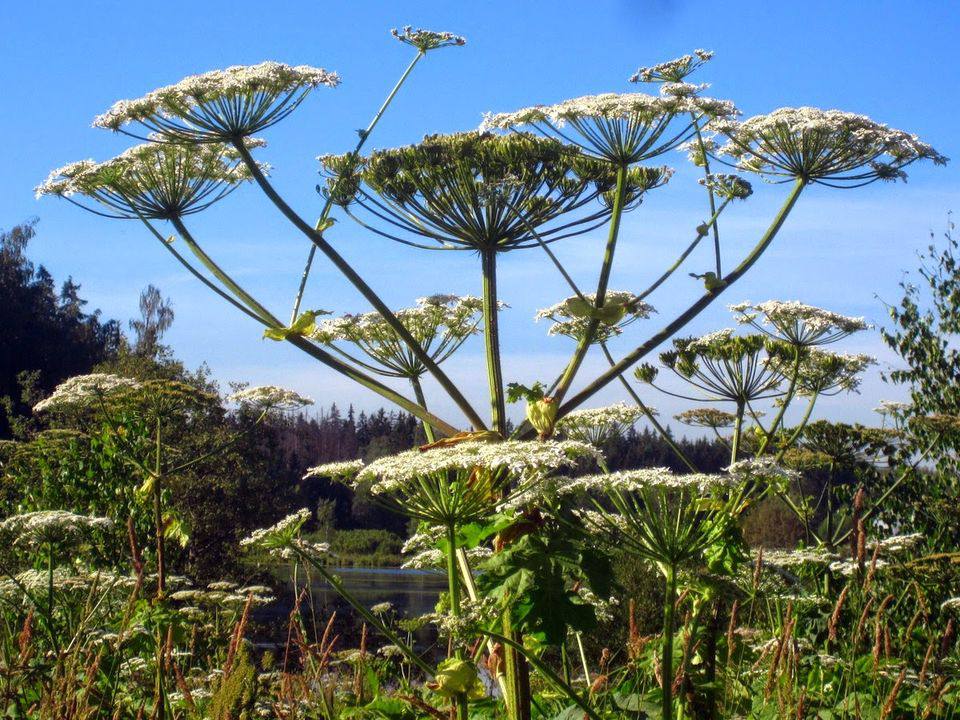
(845, 250)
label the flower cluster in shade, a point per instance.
(830, 147)
(153, 180)
(269, 397)
(82, 390)
(574, 316)
(480, 191)
(425, 40)
(439, 323)
(799, 324)
(423, 552)
(282, 539)
(36, 529)
(221, 105)
(598, 425)
(707, 418)
(621, 128)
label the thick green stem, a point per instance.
(453, 585)
(328, 205)
(787, 399)
(737, 432)
(613, 233)
(158, 516)
(422, 401)
(666, 658)
(358, 282)
(491, 334)
(695, 309)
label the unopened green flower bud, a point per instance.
(542, 414)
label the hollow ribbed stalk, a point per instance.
(453, 584)
(666, 658)
(695, 309)
(787, 398)
(328, 205)
(491, 334)
(422, 401)
(612, 234)
(158, 517)
(737, 431)
(358, 282)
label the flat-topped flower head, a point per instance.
(572, 317)
(440, 324)
(463, 482)
(764, 470)
(599, 425)
(829, 147)
(823, 372)
(621, 128)
(426, 40)
(84, 390)
(270, 397)
(36, 529)
(707, 418)
(478, 191)
(893, 408)
(673, 71)
(343, 470)
(152, 180)
(627, 481)
(727, 367)
(221, 105)
(798, 324)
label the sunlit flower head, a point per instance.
(673, 71)
(599, 425)
(151, 180)
(82, 390)
(279, 535)
(893, 408)
(707, 418)
(799, 324)
(829, 147)
(270, 397)
(648, 479)
(463, 482)
(219, 106)
(727, 367)
(622, 128)
(343, 470)
(572, 317)
(439, 323)
(826, 373)
(426, 40)
(479, 191)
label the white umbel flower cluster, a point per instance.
(644, 479)
(439, 323)
(511, 458)
(35, 529)
(82, 390)
(270, 397)
(597, 425)
(830, 147)
(827, 373)
(707, 418)
(673, 71)
(620, 127)
(426, 40)
(153, 179)
(572, 317)
(222, 104)
(797, 323)
(279, 535)
(799, 558)
(342, 470)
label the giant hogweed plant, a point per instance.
(525, 180)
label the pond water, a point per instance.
(411, 592)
